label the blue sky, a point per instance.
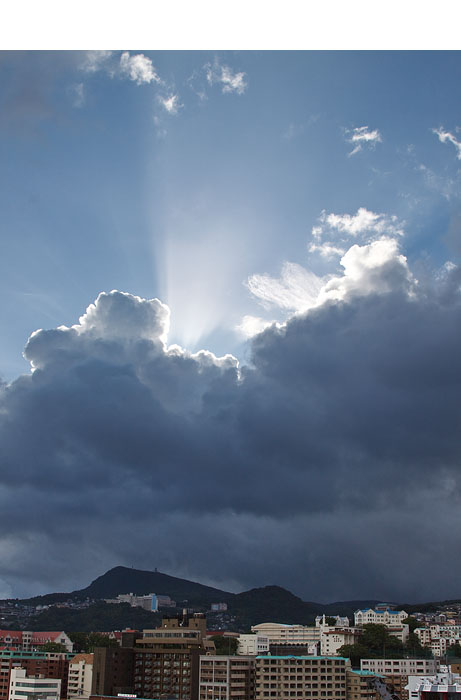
(103, 188)
(236, 278)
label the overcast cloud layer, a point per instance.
(329, 465)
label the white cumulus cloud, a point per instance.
(138, 68)
(331, 236)
(362, 136)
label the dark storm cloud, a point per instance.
(330, 465)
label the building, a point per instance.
(151, 602)
(287, 634)
(252, 644)
(24, 687)
(401, 667)
(441, 686)
(113, 671)
(332, 639)
(226, 677)
(300, 677)
(218, 607)
(29, 641)
(320, 621)
(389, 618)
(80, 677)
(48, 664)
(360, 686)
(167, 658)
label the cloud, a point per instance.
(171, 103)
(362, 137)
(297, 289)
(323, 453)
(138, 68)
(94, 61)
(230, 82)
(447, 136)
(331, 237)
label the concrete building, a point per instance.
(252, 644)
(401, 667)
(300, 677)
(80, 677)
(287, 634)
(226, 677)
(389, 618)
(320, 621)
(48, 664)
(24, 687)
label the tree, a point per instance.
(330, 621)
(225, 646)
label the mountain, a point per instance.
(269, 603)
(124, 580)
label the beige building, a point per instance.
(226, 677)
(360, 685)
(287, 634)
(300, 677)
(23, 687)
(80, 677)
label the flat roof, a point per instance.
(312, 658)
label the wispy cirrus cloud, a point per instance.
(361, 137)
(223, 75)
(448, 137)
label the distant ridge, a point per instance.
(264, 604)
(122, 579)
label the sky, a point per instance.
(231, 315)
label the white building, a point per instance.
(226, 677)
(80, 677)
(441, 686)
(389, 618)
(252, 644)
(23, 687)
(331, 639)
(339, 620)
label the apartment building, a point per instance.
(287, 634)
(24, 687)
(389, 618)
(47, 664)
(80, 677)
(166, 659)
(360, 685)
(441, 686)
(226, 677)
(300, 677)
(252, 644)
(401, 667)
